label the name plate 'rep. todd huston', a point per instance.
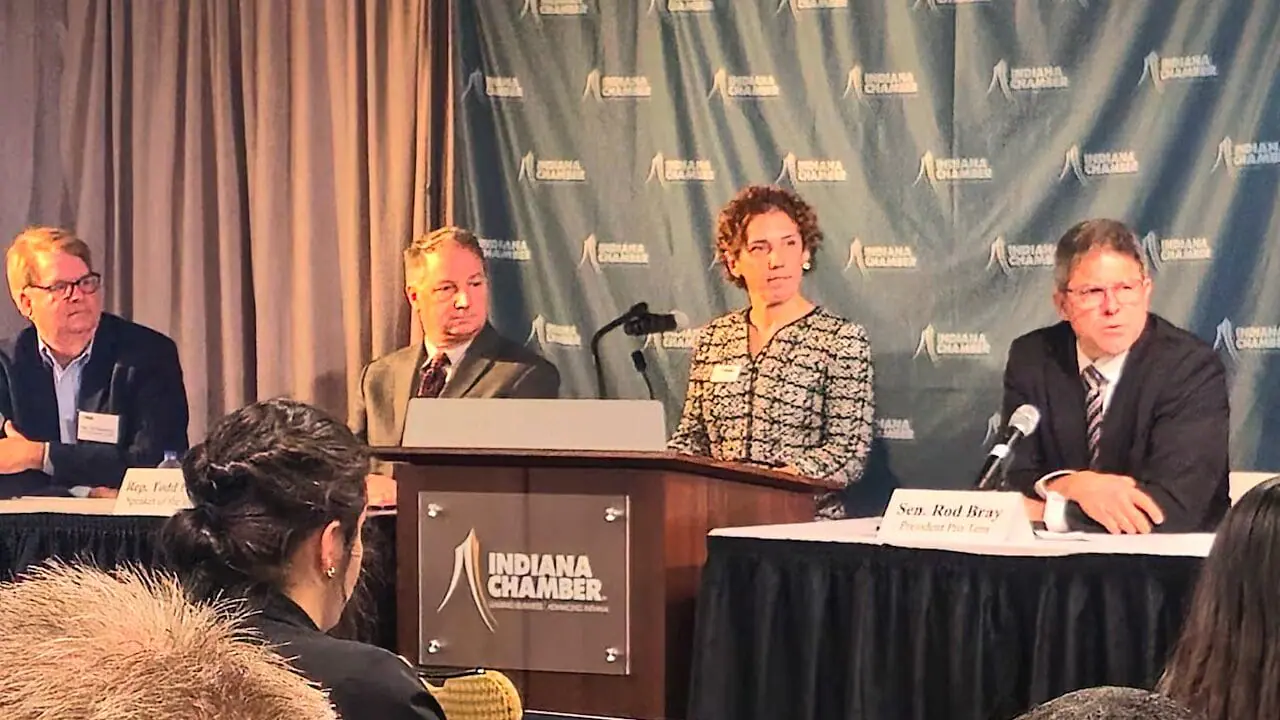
(930, 517)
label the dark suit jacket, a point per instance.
(133, 372)
(494, 367)
(364, 681)
(1166, 425)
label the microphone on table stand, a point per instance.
(1023, 422)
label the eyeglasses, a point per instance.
(1091, 297)
(88, 285)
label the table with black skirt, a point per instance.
(819, 621)
(33, 530)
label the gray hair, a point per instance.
(1111, 703)
(128, 645)
(1088, 235)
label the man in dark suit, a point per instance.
(1134, 428)
(84, 395)
(461, 355)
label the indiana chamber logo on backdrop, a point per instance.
(1013, 80)
(502, 249)
(895, 429)
(682, 6)
(734, 87)
(798, 5)
(868, 258)
(1161, 251)
(534, 171)
(551, 335)
(536, 9)
(484, 87)
(940, 345)
(616, 87)
(1236, 341)
(865, 86)
(679, 171)
(810, 170)
(936, 4)
(994, 423)
(1160, 70)
(938, 170)
(523, 581)
(1012, 257)
(1237, 157)
(1088, 165)
(683, 339)
(598, 254)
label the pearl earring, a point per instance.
(331, 572)
(807, 266)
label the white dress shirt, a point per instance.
(1110, 367)
(66, 388)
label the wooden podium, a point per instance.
(674, 501)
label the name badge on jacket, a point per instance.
(97, 427)
(725, 373)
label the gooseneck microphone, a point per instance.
(1023, 422)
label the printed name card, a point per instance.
(933, 517)
(152, 491)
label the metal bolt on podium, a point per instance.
(434, 646)
(612, 513)
(434, 510)
(611, 655)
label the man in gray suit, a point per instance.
(461, 355)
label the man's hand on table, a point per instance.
(1114, 501)
(381, 490)
(103, 492)
(17, 453)
(1035, 509)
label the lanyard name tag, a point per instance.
(725, 373)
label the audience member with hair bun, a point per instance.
(278, 505)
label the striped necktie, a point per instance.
(1095, 385)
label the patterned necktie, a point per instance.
(434, 373)
(1095, 384)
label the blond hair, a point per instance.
(127, 645)
(20, 260)
(415, 256)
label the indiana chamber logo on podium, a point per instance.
(534, 171)
(522, 581)
(1236, 157)
(1236, 341)
(939, 345)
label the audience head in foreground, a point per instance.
(278, 506)
(1135, 410)
(79, 642)
(1226, 663)
(1111, 703)
(811, 412)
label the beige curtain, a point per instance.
(249, 173)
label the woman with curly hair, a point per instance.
(781, 383)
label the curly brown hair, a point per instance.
(753, 200)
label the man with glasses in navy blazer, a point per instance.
(1135, 416)
(85, 395)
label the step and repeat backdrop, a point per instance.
(945, 144)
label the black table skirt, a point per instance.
(803, 630)
(109, 541)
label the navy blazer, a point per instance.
(1167, 424)
(133, 372)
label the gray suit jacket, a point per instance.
(494, 367)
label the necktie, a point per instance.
(434, 373)
(1095, 384)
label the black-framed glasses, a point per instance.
(88, 285)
